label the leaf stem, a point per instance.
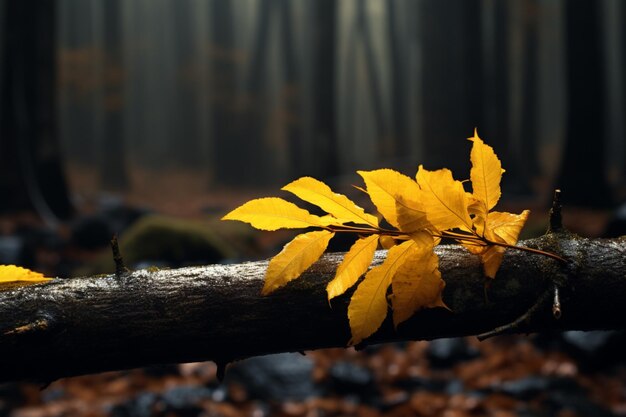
(367, 230)
(527, 249)
(476, 238)
(459, 237)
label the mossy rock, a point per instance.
(175, 242)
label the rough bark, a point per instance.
(86, 325)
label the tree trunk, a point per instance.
(112, 167)
(324, 14)
(30, 162)
(86, 325)
(452, 78)
(583, 174)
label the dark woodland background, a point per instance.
(152, 118)
(257, 93)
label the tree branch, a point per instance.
(85, 325)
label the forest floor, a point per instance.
(506, 377)
(565, 375)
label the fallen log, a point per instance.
(86, 325)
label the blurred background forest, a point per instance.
(152, 118)
(249, 93)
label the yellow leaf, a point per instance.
(507, 226)
(295, 258)
(476, 248)
(501, 228)
(485, 174)
(491, 259)
(384, 187)
(368, 305)
(417, 284)
(387, 242)
(273, 213)
(410, 215)
(316, 192)
(444, 199)
(354, 264)
(12, 274)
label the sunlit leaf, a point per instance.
(411, 216)
(368, 305)
(507, 226)
(316, 192)
(296, 257)
(354, 264)
(273, 213)
(500, 227)
(491, 259)
(485, 174)
(387, 242)
(444, 199)
(384, 187)
(417, 284)
(474, 247)
(12, 274)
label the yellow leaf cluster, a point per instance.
(16, 275)
(419, 212)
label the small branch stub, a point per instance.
(221, 370)
(556, 220)
(120, 267)
(514, 325)
(556, 304)
(38, 325)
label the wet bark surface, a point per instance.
(86, 325)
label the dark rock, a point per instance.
(143, 405)
(616, 226)
(52, 394)
(588, 342)
(526, 411)
(121, 217)
(11, 396)
(418, 383)
(444, 353)
(347, 378)
(181, 401)
(37, 239)
(91, 232)
(11, 250)
(96, 230)
(524, 388)
(579, 404)
(184, 400)
(455, 386)
(595, 350)
(274, 377)
(532, 386)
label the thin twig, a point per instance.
(120, 267)
(511, 327)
